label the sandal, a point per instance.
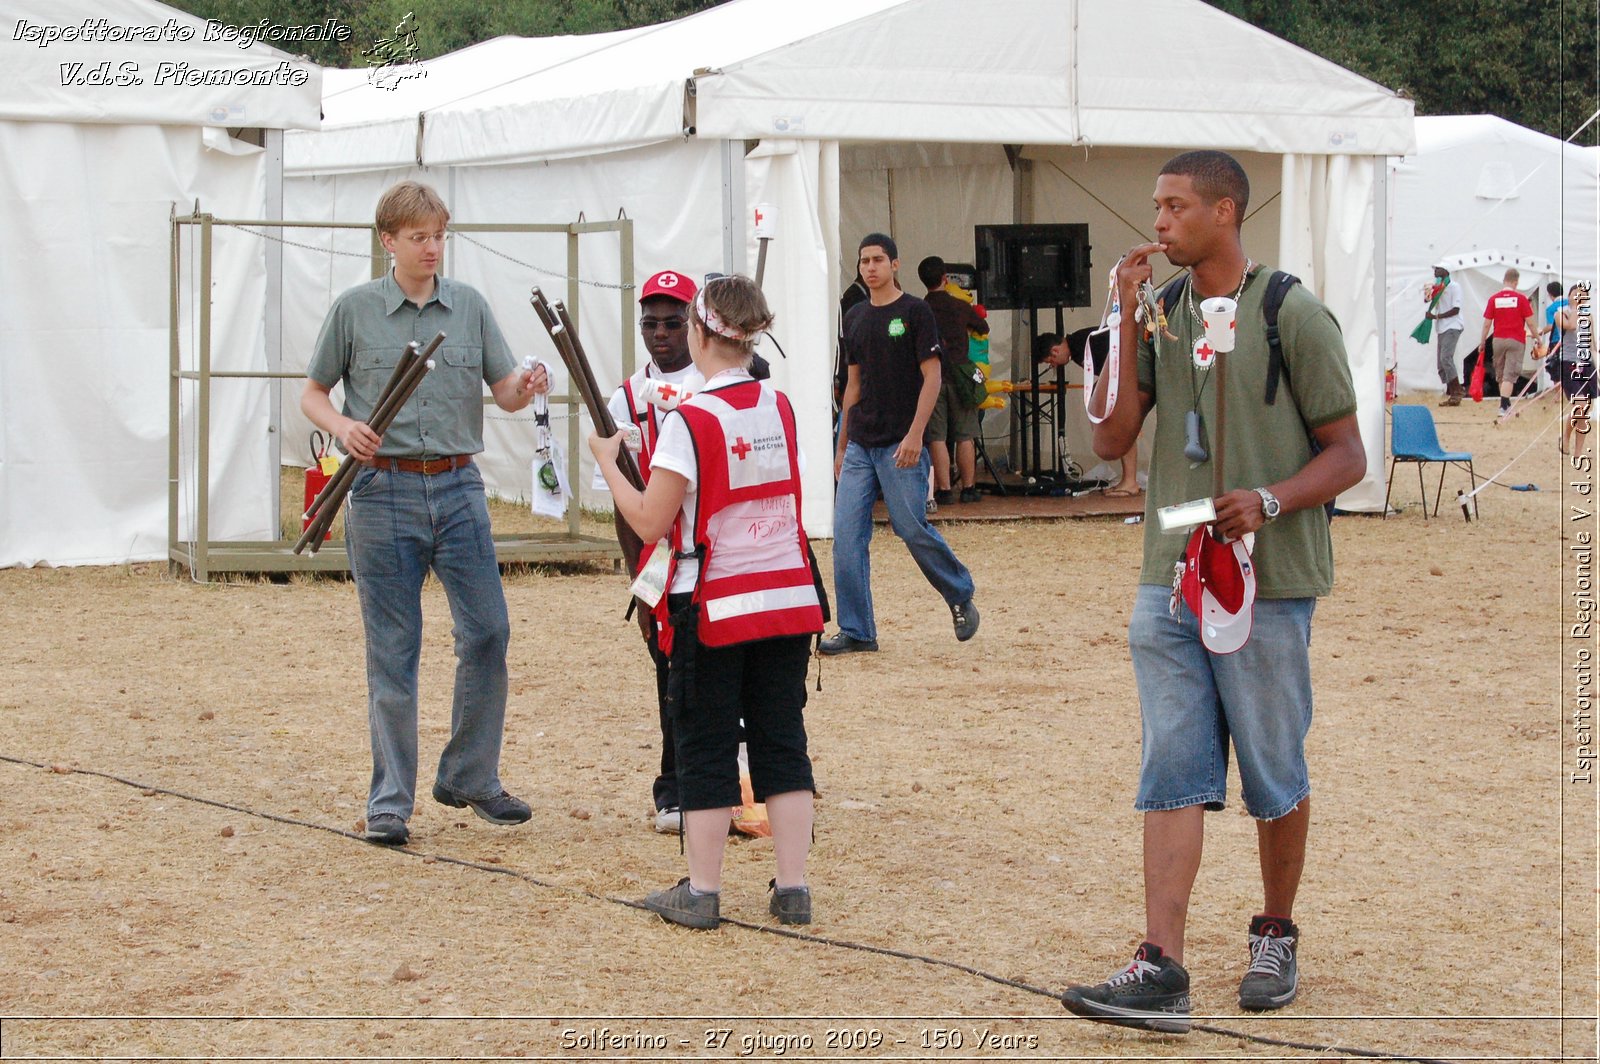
(1123, 493)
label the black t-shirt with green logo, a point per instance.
(889, 343)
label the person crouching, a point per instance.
(742, 602)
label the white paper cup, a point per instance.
(1218, 312)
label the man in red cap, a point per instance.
(656, 387)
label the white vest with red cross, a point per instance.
(755, 567)
(647, 414)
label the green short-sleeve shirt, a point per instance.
(365, 334)
(1265, 444)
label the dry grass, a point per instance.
(975, 808)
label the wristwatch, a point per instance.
(1270, 506)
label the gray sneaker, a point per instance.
(386, 828)
(681, 906)
(1151, 993)
(500, 809)
(1274, 975)
(965, 617)
(791, 905)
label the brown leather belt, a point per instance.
(426, 466)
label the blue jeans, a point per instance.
(398, 526)
(1193, 702)
(866, 470)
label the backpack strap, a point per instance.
(1168, 296)
(1278, 286)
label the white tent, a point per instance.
(926, 117)
(104, 133)
(1481, 194)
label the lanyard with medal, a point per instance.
(1214, 321)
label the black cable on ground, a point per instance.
(838, 943)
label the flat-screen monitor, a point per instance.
(1022, 266)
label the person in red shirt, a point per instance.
(1509, 317)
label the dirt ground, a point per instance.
(183, 769)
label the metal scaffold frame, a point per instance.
(202, 555)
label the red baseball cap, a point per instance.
(1219, 585)
(671, 284)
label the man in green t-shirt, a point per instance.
(1193, 700)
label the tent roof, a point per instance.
(253, 86)
(1058, 72)
(1024, 72)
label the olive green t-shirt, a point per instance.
(1264, 445)
(365, 334)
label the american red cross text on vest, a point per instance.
(740, 448)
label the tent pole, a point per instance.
(1380, 273)
(732, 207)
(272, 324)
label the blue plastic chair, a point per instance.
(1414, 439)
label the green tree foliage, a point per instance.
(1529, 61)
(441, 25)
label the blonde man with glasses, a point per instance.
(419, 506)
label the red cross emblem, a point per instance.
(667, 392)
(667, 280)
(740, 448)
(759, 216)
(1204, 353)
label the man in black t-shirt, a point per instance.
(954, 421)
(892, 363)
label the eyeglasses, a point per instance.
(669, 324)
(424, 239)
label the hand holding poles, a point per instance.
(402, 384)
(565, 336)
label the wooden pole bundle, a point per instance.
(408, 374)
(565, 336)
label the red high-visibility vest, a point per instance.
(755, 566)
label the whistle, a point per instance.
(1194, 444)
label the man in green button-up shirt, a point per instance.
(419, 504)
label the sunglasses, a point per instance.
(669, 324)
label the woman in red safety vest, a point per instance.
(733, 589)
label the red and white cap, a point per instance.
(669, 283)
(1219, 586)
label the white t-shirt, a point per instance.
(688, 377)
(1449, 299)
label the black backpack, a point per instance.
(1278, 286)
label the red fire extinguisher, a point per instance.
(317, 477)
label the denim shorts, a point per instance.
(1192, 702)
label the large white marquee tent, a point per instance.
(90, 175)
(918, 116)
(1481, 194)
(923, 117)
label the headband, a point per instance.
(713, 321)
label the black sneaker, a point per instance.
(791, 905)
(1274, 975)
(388, 829)
(501, 809)
(965, 617)
(1152, 993)
(682, 906)
(943, 497)
(970, 495)
(846, 644)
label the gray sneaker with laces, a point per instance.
(1151, 993)
(1274, 975)
(680, 905)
